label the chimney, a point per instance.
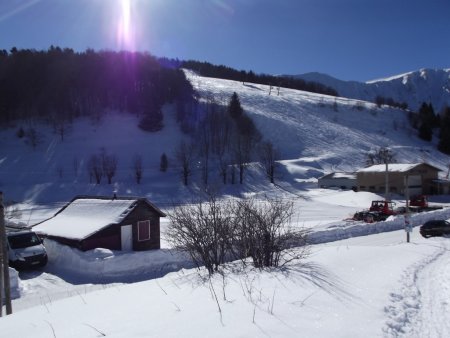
(114, 196)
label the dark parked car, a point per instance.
(435, 228)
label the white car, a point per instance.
(25, 249)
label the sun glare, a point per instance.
(125, 34)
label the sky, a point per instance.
(348, 39)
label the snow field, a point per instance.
(345, 288)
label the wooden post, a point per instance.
(407, 209)
(1, 281)
(5, 262)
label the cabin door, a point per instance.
(126, 236)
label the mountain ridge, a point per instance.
(414, 88)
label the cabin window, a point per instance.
(143, 230)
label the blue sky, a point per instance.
(348, 39)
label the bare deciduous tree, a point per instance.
(184, 157)
(269, 156)
(95, 168)
(137, 168)
(109, 165)
(380, 156)
(61, 125)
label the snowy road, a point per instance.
(421, 307)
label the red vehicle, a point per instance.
(384, 207)
(419, 201)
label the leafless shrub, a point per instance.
(213, 232)
(204, 230)
(265, 233)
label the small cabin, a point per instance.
(341, 180)
(417, 178)
(116, 223)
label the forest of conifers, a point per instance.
(63, 84)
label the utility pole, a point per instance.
(408, 225)
(4, 262)
(386, 193)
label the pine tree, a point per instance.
(427, 121)
(234, 107)
(444, 134)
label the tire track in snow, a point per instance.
(421, 306)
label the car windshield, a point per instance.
(23, 240)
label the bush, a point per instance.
(265, 234)
(213, 232)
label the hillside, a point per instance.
(314, 133)
(372, 285)
(425, 85)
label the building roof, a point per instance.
(85, 216)
(393, 167)
(350, 176)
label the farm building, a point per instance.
(422, 178)
(117, 223)
(338, 180)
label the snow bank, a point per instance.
(14, 284)
(345, 230)
(107, 266)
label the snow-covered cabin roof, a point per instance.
(349, 176)
(393, 167)
(84, 216)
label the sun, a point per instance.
(125, 33)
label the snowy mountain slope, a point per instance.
(370, 286)
(322, 132)
(425, 85)
(314, 133)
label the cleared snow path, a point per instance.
(420, 308)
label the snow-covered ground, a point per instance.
(370, 286)
(360, 280)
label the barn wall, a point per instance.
(375, 181)
(108, 238)
(143, 212)
(69, 242)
